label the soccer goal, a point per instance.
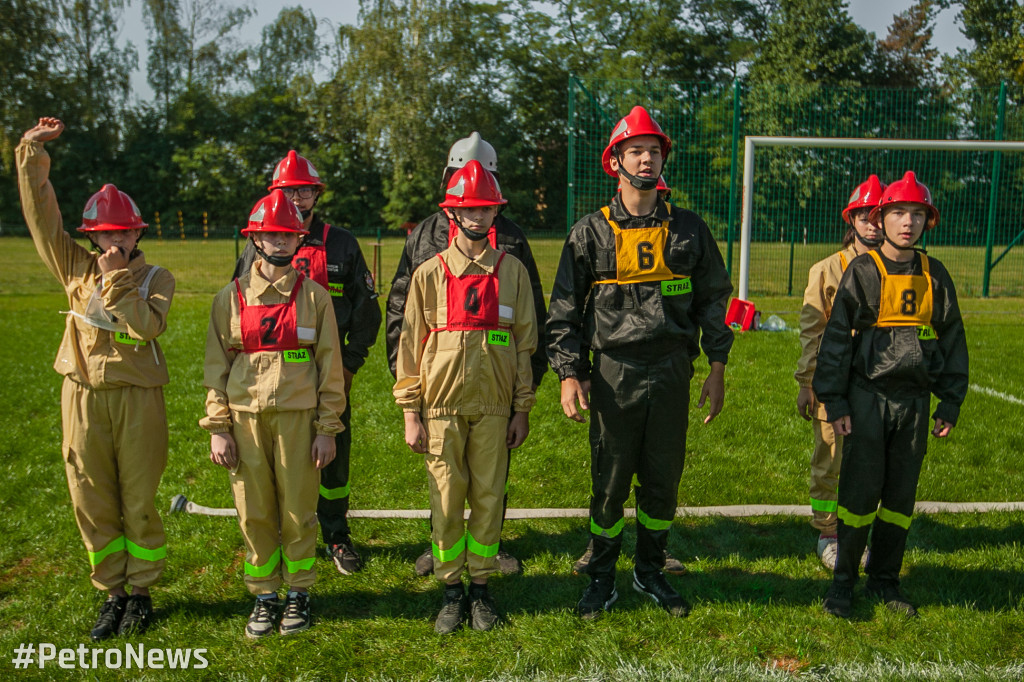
(978, 195)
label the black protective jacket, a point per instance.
(430, 238)
(357, 310)
(637, 317)
(891, 361)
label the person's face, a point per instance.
(867, 230)
(904, 222)
(476, 218)
(641, 156)
(125, 239)
(303, 197)
(278, 243)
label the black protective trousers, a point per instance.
(878, 483)
(332, 510)
(639, 415)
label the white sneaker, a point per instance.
(828, 549)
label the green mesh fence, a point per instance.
(799, 194)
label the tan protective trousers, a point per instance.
(276, 488)
(826, 460)
(467, 461)
(115, 450)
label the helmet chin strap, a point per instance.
(471, 235)
(870, 243)
(279, 261)
(642, 184)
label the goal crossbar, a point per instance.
(751, 142)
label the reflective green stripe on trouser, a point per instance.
(115, 450)
(467, 461)
(639, 415)
(275, 490)
(878, 482)
(332, 507)
(826, 459)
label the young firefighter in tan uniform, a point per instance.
(822, 283)
(112, 403)
(276, 390)
(463, 360)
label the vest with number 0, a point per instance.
(311, 261)
(472, 302)
(905, 300)
(269, 327)
(640, 257)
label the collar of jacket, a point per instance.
(458, 262)
(626, 219)
(316, 232)
(259, 285)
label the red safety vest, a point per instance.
(472, 300)
(311, 261)
(269, 327)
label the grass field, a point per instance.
(755, 583)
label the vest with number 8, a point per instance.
(906, 300)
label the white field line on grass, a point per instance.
(997, 394)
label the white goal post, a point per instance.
(751, 142)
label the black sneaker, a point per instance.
(583, 562)
(508, 564)
(137, 614)
(597, 598)
(296, 613)
(655, 586)
(838, 601)
(483, 614)
(263, 619)
(111, 613)
(673, 566)
(345, 557)
(891, 596)
(453, 610)
(425, 563)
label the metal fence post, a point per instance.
(730, 229)
(993, 196)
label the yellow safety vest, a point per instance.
(906, 300)
(640, 257)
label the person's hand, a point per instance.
(415, 434)
(114, 258)
(48, 128)
(843, 426)
(518, 430)
(223, 451)
(805, 401)
(942, 428)
(348, 380)
(713, 391)
(323, 451)
(575, 397)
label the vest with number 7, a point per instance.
(640, 257)
(905, 300)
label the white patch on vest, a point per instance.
(619, 129)
(997, 394)
(459, 189)
(258, 215)
(506, 311)
(306, 333)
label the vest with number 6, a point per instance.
(472, 303)
(905, 300)
(311, 261)
(640, 257)
(269, 327)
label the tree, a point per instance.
(907, 53)
(290, 48)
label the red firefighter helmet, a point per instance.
(274, 213)
(867, 195)
(110, 209)
(295, 171)
(637, 122)
(472, 185)
(906, 189)
(662, 186)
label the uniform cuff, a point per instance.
(947, 412)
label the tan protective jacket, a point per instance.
(822, 284)
(89, 355)
(263, 381)
(444, 373)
